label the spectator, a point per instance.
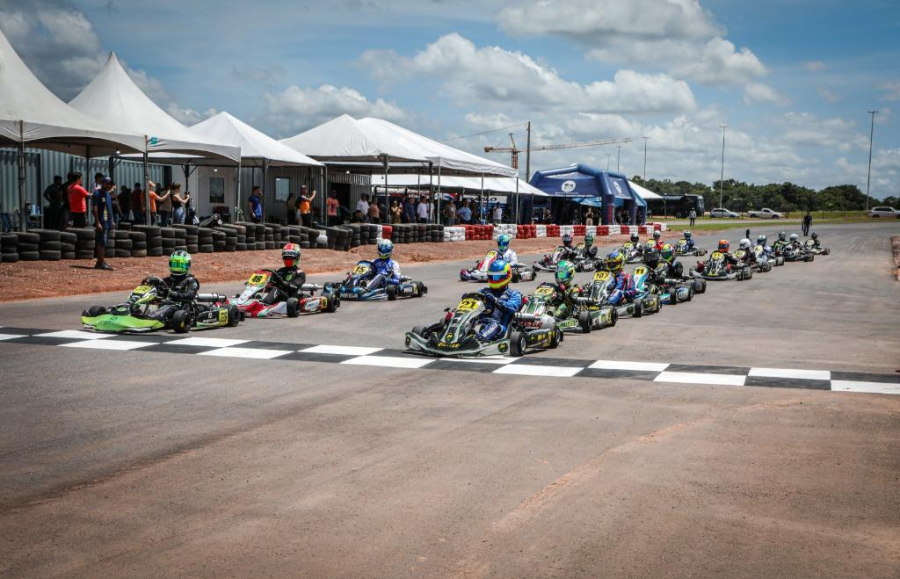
(331, 208)
(374, 212)
(77, 200)
(498, 214)
(807, 223)
(589, 216)
(422, 210)
(357, 217)
(254, 202)
(137, 204)
(124, 198)
(54, 194)
(641, 220)
(305, 205)
(156, 203)
(291, 207)
(449, 213)
(396, 211)
(102, 209)
(409, 209)
(179, 203)
(166, 205)
(363, 205)
(692, 216)
(465, 212)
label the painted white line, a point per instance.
(251, 353)
(697, 378)
(109, 344)
(210, 342)
(551, 371)
(10, 336)
(342, 350)
(871, 387)
(618, 365)
(786, 373)
(74, 335)
(388, 361)
(501, 360)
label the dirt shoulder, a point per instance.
(44, 279)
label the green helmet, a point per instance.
(180, 263)
(565, 272)
(589, 239)
(667, 253)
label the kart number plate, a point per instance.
(141, 290)
(467, 305)
(223, 316)
(601, 276)
(543, 291)
(360, 269)
(640, 270)
(258, 279)
(716, 255)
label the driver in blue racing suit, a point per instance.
(688, 242)
(501, 302)
(623, 290)
(387, 271)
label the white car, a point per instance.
(884, 212)
(765, 213)
(722, 212)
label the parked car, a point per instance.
(723, 213)
(884, 212)
(765, 213)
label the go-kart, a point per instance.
(354, 286)
(769, 256)
(810, 247)
(141, 312)
(582, 260)
(479, 272)
(795, 253)
(596, 295)
(716, 268)
(633, 252)
(674, 290)
(251, 300)
(456, 334)
(762, 265)
(539, 313)
(681, 248)
(549, 262)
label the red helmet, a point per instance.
(724, 245)
(291, 254)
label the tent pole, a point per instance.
(237, 179)
(518, 201)
(387, 202)
(438, 206)
(23, 216)
(324, 174)
(146, 186)
(481, 198)
(265, 185)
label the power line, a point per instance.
(484, 132)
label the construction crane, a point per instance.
(514, 150)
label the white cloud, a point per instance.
(297, 108)
(755, 92)
(891, 90)
(814, 65)
(492, 74)
(829, 95)
(720, 63)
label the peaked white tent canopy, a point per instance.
(346, 139)
(255, 145)
(643, 192)
(492, 184)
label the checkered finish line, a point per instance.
(524, 366)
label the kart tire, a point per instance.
(334, 302)
(181, 322)
(517, 344)
(584, 322)
(95, 311)
(234, 316)
(557, 338)
(690, 294)
(613, 317)
(673, 297)
(29, 256)
(699, 286)
(421, 290)
(391, 292)
(637, 308)
(826, 251)
(293, 307)
(748, 273)
(420, 331)
(50, 255)
(810, 257)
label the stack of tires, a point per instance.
(67, 243)
(85, 242)
(191, 237)
(152, 238)
(138, 243)
(119, 243)
(174, 238)
(219, 239)
(9, 252)
(48, 244)
(260, 236)
(235, 235)
(28, 246)
(435, 233)
(205, 242)
(270, 236)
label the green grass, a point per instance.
(718, 224)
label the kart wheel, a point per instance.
(181, 322)
(810, 257)
(234, 316)
(517, 343)
(690, 293)
(334, 302)
(673, 297)
(293, 307)
(516, 278)
(95, 311)
(613, 317)
(826, 252)
(557, 338)
(420, 331)
(420, 290)
(699, 286)
(748, 273)
(584, 321)
(391, 292)
(637, 308)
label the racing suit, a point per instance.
(285, 284)
(815, 243)
(589, 253)
(510, 257)
(563, 302)
(387, 272)
(622, 290)
(182, 291)
(779, 246)
(501, 307)
(689, 245)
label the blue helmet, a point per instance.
(499, 274)
(503, 242)
(385, 248)
(567, 239)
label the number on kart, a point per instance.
(467, 305)
(223, 316)
(141, 289)
(543, 291)
(360, 269)
(257, 279)
(716, 255)
(601, 276)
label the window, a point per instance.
(217, 190)
(282, 188)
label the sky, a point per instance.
(792, 80)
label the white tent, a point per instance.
(30, 115)
(491, 184)
(643, 192)
(255, 145)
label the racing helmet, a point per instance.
(651, 257)
(761, 240)
(814, 235)
(588, 239)
(499, 274)
(656, 234)
(687, 234)
(794, 237)
(744, 244)
(290, 254)
(782, 236)
(385, 248)
(180, 263)
(565, 272)
(567, 239)
(724, 245)
(667, 253)
(615, 261)
(635, 237)
(503, 243)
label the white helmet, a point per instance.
(794, 237)
(744, 244)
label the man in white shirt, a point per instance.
(363, 206)
(422, 211)
(498, 213)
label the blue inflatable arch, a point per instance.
(586, 185)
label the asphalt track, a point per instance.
(147, 463)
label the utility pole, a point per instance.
(722, 178)
(871, 140)
(608, 156)
(645, 160)
(618, 158)
(528, 152)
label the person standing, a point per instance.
(305, 204)
(165, 205)
(374, 211)
(498, 213)
(137, 204)
(124, 198)
(102, 209)
(179, 203)
(422, 210)
(465, 213)
(54, 194)
(254, 202)
(807, 223)
(396, 211)
(156, 202)
(78, 200)
(331, 209)
(363, 205)
(291, 206)
(693, 216)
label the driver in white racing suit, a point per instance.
(506, 252)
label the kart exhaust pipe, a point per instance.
(210, 298)
(527, 317)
